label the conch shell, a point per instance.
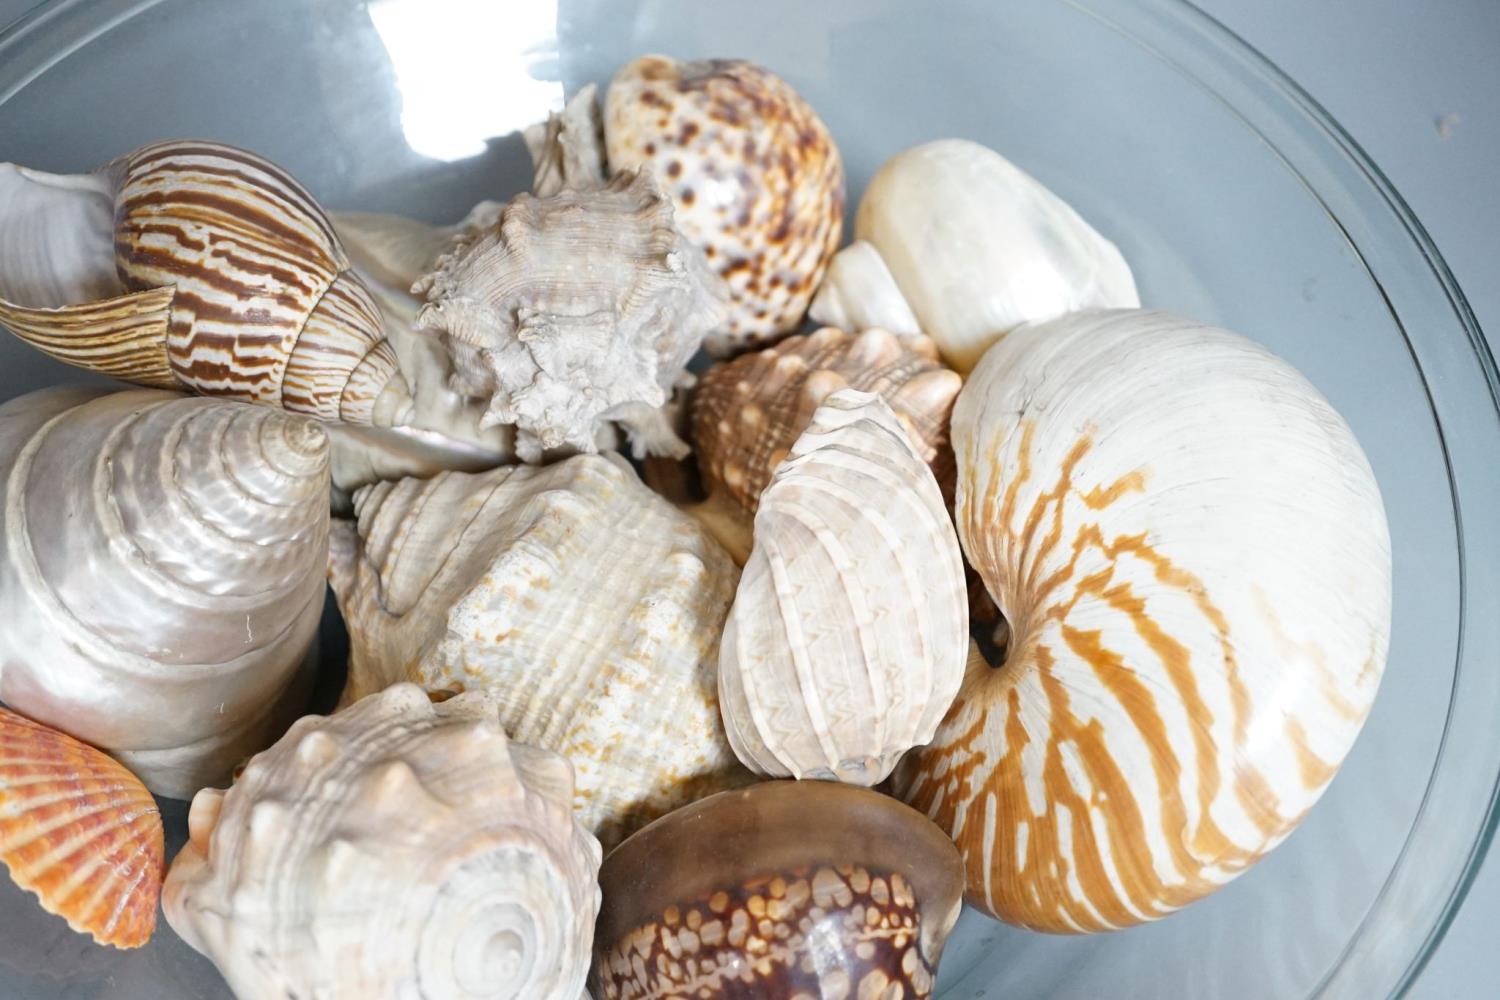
(197, 266)
(1192, 554)
(589, 605)
(162, 572)
(954, 241)
(846, 641)
(575, 310)
(755, 175)
(786, 889)
(747, 413)
(396, 849)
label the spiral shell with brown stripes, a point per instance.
(1192, 553)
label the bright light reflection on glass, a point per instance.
(467, 69)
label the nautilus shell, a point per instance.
(1191, 551)
(846, 641)
(162, 573)
(784, 889)
(396, 849)
(572, 311)
(197, 266)
(954, 241)
(589, 605)
(756, 178)
(747, 413)
(80, 832)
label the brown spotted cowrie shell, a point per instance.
(805, 890)
(755, 176)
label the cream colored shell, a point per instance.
(396, 849)
(589, 605)
(756, 177)
(162, 573)
(954, 237)
(1193, 557)
(847, 638)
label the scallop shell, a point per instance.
(572, 311)
(953, 239)
(162, 572)
(396, 849)
(756, 178)
(748, 412)
(846, 641)
(80, 832)
(592, 607)
(784, 889)
(1192, 554)
(194, 265)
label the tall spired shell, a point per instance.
(846, 641)
(1193, 557)
(589, 605)
(162, 572)
(396, 849)
(194, 265)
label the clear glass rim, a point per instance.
(59, 28)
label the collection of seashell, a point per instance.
(564, 686)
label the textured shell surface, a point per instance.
(80, 832)
(1193, 557)
(747, 413)
(162, 572)
(589, 605)
(847, 638)
(195, 265)
(754, 173)
(398, 848)
(572, 311)
(974, 246)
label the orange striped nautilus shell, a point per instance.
(1192, 553)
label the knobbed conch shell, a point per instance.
(845, 644)
(747, 412)
(162, 572)
(756, 178)
(573, 310)
(80, 832)
(396, 849)
(784, 889)
(194, 265)
(589, 605)
(954, 241)
(1192, 554)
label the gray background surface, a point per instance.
(1418, 86)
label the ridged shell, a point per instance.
(783, 890)
(396, 849)
(1191, 551)
(575, 310)
(162, 572)
(590, 606)
(953, 236)
(194, 265)
(846, 641)
(747, 412)
(756, 178)
(79, 831)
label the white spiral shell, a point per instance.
(1192, 554)
(396, 849)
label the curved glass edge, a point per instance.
(1454, 827)
(54, 30)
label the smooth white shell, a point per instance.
(1191, 551)
(847, 638)
(396, 849)
(974, 246)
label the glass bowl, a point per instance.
(1236, 199)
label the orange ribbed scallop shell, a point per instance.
(80, 832)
